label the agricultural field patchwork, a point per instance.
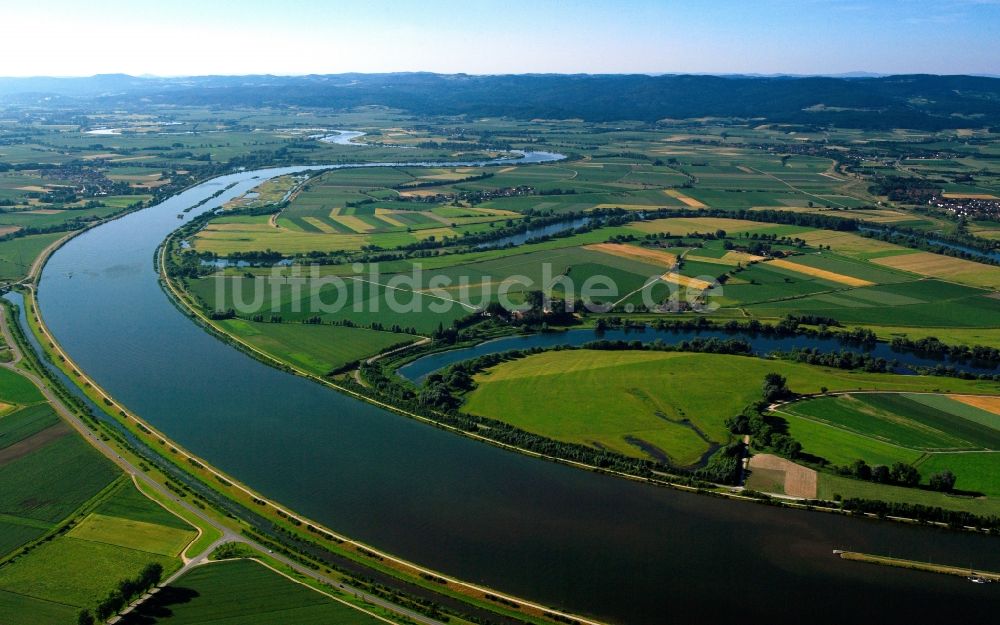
(54, 580)
(932, 431)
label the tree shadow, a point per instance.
(158, 606)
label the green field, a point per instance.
(54, 479)
(132, 534)
(657, 400)
(129, 503)
(914, 303)
(26, 422)
(842, 447)
(242, 592)
(76, 572)
(902, 420)
(976, 472)
(17, 255)
(830, 485)
(17, 389)
(932, 432)
(316, 348)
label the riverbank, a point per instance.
(228, 486)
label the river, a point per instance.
(602, 546)
(761, 344)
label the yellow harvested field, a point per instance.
(33, 187)
(434, 232)
(946, 267)
(745, 169)
(691, 283)
(656, 257)
(742, 257)
(320, 225)
(970, 196)
(690, 201)
(730, 259)
(789, 478)
(353, 223)
(8, 229)
(983, 402)
(709, 260)
(849, 243)
(688, 225)
(493, 212)
(420, 193)
(388, 218)
(819, 273)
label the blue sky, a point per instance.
(183, 37)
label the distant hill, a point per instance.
(911, 101)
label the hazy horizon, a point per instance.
(811, 37)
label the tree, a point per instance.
(775, 387)
(151, 575)
(786, 445)
(85, 618)
(904, 474)
(861, 470)
(880, 474)
(943, 481)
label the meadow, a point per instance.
(650, 404)
(318, 349)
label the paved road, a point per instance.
(228, 535)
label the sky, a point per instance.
(184, 37)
